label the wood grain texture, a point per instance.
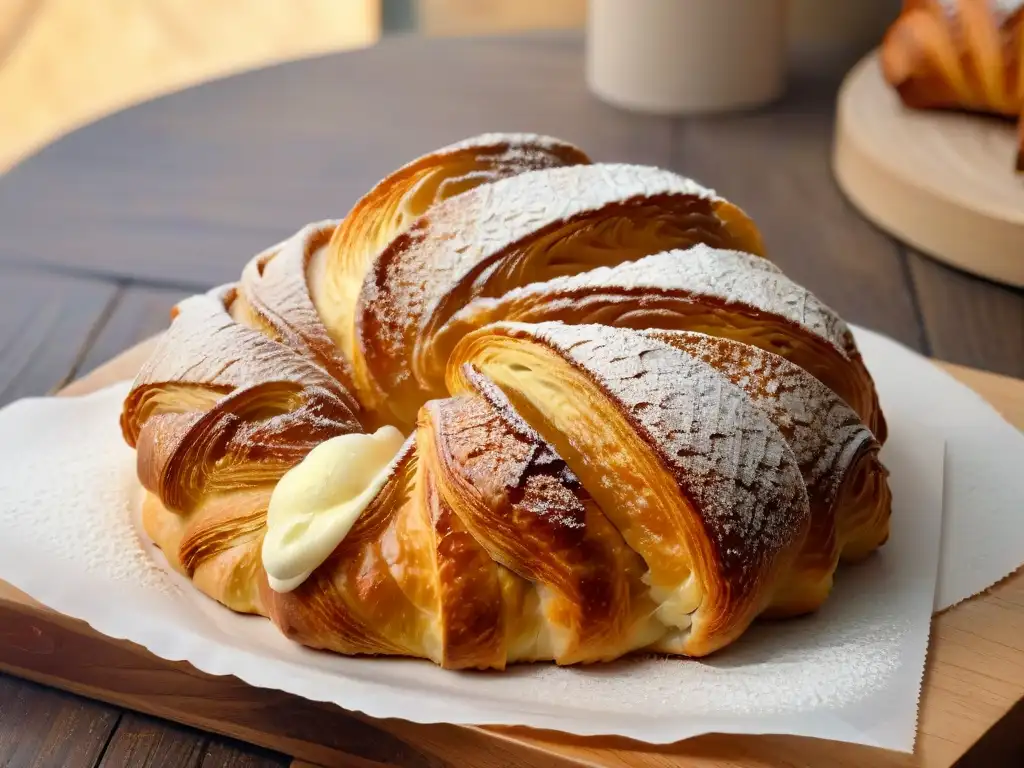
(774, 164)
(222, 755)
(969, 320)
(145, 742)
(187, 188)
(142, 742)
(45, 321)
(44, 728)
(139, 312)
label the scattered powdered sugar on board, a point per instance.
(84, 495)
(774, 669)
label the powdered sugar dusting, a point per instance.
(95, 530)
(69, 499)
(824, 432)
(729, 458)
(512, 140)
(776, 669)
(206, 348)
(459, 241)
(849, 672)
(275, 285)
(499, 401)
(489, 219)
(739, 280)
(1002, 8)
(205, 344)
(501, 456)
(775, 677)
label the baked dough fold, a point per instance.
(625, 430)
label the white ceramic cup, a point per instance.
(686, 56)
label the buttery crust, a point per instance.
(721, 292)
(837, 455)
(959, 54)
(661, 453)
(520, 503)
(397, 201)
(273, 295)
(217, 414)
(519, 230)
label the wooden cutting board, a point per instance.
(974, 675)
(943, 182)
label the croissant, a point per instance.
(959, 54)
(516, 406)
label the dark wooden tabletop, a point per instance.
(103, 231)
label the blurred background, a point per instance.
(67, 62)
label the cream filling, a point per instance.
(676, 603)
(316, 503)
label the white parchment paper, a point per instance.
(852, 672)
(983, 525)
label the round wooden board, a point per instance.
(942, 182)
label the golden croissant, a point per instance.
(516, 406)
(959, 54)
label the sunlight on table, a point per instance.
(67, 62)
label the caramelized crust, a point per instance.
(524, 229)
(471, 602)
(720, 292)
(274, 297)
(520, 502)
(598, 480)
(837, 455)
(337, 272)
(698, 481)
(959, 54)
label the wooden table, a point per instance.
(104, 230)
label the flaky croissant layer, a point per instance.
(959, 54)
(626, 429)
